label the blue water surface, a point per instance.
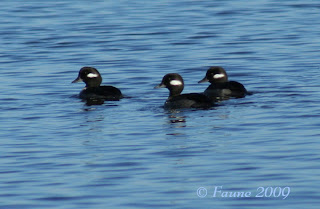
(57, 152)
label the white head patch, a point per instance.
(176, 83)
(92, 75)
(217, 76)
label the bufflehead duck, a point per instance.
(93, 91)
(221, 88)
(174, 83)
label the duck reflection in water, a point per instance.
(176, 122)
(174, 118)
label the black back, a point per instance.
(192, 100)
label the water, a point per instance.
(56, 152)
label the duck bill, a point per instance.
(161, 85)
(77, 80)
(203, 80)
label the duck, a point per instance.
(175, 84)
(221, 88)
(93, 92)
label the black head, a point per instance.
(173, 82)
(90, 76)
(215, 74)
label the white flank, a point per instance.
(176, 83)
(216, 76)
(92, 75)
